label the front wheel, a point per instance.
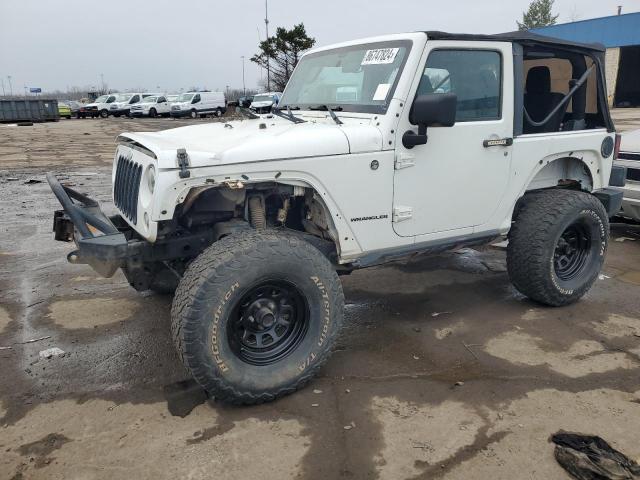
(256, 315)
(194, 114)
(153, 113)
(104, 113)
(557, 245)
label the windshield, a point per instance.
(149, 100)
(101, 99)
(185, 97)
(359, 78)
(123, 97)
(263, 98)
(172, 98)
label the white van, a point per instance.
(264, 102)
(123, 102)
(100, 106)
(199, 104)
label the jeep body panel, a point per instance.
(380, 197)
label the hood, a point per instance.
(244, 141)
(630, 141)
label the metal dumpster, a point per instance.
(29, 110)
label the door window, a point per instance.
(475, 76)
(196, 98)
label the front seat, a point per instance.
(539, 100)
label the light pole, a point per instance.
(244, 90)
(266, 26)
(102, 83)
(3, 92)
(10, 87)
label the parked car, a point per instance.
(99, 107)
(64, 110)
(264, 102)
(245, 102)
(251, 222)
(74, 106)
(83, 112)
(199, 104)
(123, 103)
(629, 157)
(151, 106)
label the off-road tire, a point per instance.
(213, 286)
(542, 218)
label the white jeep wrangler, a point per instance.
(380, 149)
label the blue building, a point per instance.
(621, 35)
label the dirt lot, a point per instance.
(442, 371)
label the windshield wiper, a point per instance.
(331, 112)
(289, 116)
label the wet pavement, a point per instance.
(442, 371)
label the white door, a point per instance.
(163, 106)
(457, 179)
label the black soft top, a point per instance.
(522, 37)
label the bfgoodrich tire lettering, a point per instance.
(557, 245)
(205, 314)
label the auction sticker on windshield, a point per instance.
(379, 56)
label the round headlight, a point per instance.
(151, 178)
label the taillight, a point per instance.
(616, 148)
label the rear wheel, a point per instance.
(256, 315)
(218, 112)
(557, 245)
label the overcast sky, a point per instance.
(171, 45)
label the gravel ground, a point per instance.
(442, 370)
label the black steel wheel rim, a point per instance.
(268, 322)
(572, 251)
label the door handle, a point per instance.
(498, 142)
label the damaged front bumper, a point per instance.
(101, 240)
(108, 243)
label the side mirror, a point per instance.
(430, 110)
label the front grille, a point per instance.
(629, 156)
(127, 187)
(633, 174)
